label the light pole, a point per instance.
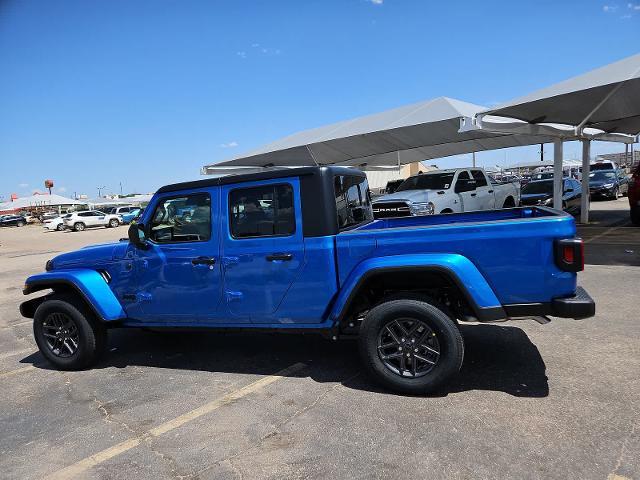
(100, 190)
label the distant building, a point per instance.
(620, 159)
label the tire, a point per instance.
(616, 194)
(436, 330)
(20, 224)
(60, 227)
(635, 216)
(509, 202)
(79, 328)
(79, 226)
(113, 223)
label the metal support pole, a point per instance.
(473, 156)
(557, 173)
(586, 167)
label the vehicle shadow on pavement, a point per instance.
(497, 358)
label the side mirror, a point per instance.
(136, 235)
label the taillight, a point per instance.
(569, 254)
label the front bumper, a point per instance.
(578, 306)
(605, 192)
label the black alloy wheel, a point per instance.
(61, 334)
(408, 347)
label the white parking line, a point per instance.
(17, 352)
(19, 324)
(76, 469)
(17, 371)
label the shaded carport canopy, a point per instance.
(607, 99)
(407, 134)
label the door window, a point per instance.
(262, 211)
(182, 219)
(353, 204)
(479, 177)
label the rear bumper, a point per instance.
(581, 305)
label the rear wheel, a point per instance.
(67, 334)
(20, 224)
(410, 346)
(635, 216)
(79, 226)
(509, 202)
(113, 223)
(60, 227)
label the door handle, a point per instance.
(203, 261)
(490, 191)
(279, 256)
(474, 194)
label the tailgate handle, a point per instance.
(279, 256)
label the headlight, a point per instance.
(608, 185)
(421, 208)
(548, 201)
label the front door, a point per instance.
(486, 197)
(179, 274)
(465, 187)
(263, 248)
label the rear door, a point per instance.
(263, 247)
(486, 197)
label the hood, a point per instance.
(412, 196)
(531, 198)
(91, 256)
(600, 183)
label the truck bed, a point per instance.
(512, 248)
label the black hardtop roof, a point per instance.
(267, 174)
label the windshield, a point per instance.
(538, 187)
(599, 176)
(542, 176)
(602, 166)
(428, 181)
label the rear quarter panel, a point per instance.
(515, 256)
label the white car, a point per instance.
(447, 191)
(80, 221)
(56, 223)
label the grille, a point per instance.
(391, 209)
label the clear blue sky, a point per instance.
(95, 93)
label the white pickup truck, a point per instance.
(447, 191)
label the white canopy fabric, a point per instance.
(395, 137)
(607, 99)
(42, 200)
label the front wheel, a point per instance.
(60, 227)
(113, 223)
(616, 194)
(410, 346)
(79, 227)
(20, 224)
(67, 334)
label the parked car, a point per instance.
(542, 176)
(56, 223)
(634, 196)
(299, 250)
(130, 214)
(79, 221)
(393, 185)
(608, 184)
(540, 192)
(447, 191)
(12, 221)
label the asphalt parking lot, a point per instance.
(560, 400)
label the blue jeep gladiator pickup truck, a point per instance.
(299, 250)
